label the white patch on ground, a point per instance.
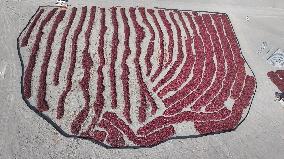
(185, 128)
(229, 103)
(3, 68)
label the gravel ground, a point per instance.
(25, 135)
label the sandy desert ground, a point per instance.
(25, 135)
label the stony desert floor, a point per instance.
(25, 135)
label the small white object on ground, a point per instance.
(61, 3)
(3, 66)
(247, 18)
(277, 58)
(281, 102)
